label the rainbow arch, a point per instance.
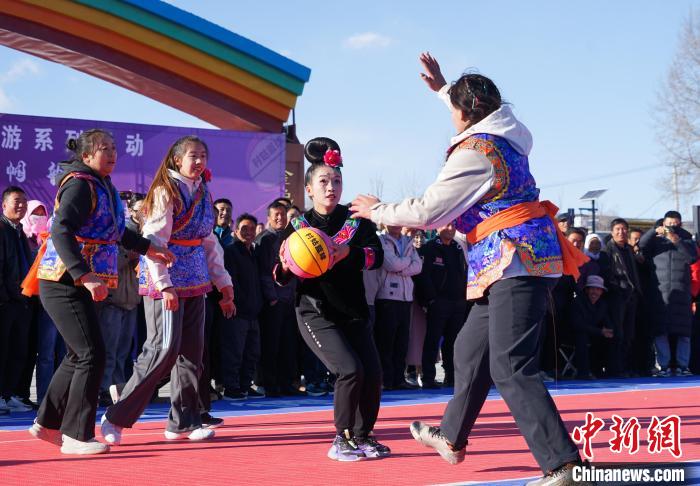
(162, 52)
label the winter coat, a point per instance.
(670, 293)
(394, 276)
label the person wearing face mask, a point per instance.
(332, 311)
(46, 347)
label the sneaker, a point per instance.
(412, 380)
(104, 399)
(562, 476)
(371, 448)
(115, 393)
(663, 373)
(111, 433)
(256, 392)
(234, 395)
(292, 391)
(683, 372)
(211, 422)
(197, 434)
(74, 446)
(29, 403)
(15, 405)
(316, 390)
(432, 437)
(4, 409)
(328, 386)
(40, 432)
(345, 449)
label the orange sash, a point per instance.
(196, 242)
(572, 257)
(30, 284)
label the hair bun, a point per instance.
(316, 148)
(72, 144)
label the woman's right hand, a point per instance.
(170, 299)
(95, 285)
(432, 76)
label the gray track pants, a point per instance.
(174, 345)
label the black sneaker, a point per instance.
(432, 385)
(371, 447)
(210, 422)
(345, 449)
(255, 393)
(35, 406)
(235, 395)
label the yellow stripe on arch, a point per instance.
(169, 46)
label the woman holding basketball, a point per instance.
(332, 312)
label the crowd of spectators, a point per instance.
(631, 312)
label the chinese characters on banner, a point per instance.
(247, 167)
(662, 435)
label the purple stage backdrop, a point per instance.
(247, 167)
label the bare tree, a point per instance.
(677, 111)
(376, 185)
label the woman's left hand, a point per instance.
(338, 253)
(361, 206)
(162, 255)
(228, 308)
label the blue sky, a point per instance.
(582, 75)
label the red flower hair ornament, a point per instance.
(332, 158)
(206, 175)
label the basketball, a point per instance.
(307, 252)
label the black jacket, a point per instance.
(340, 292)
(267, 247)
(11, 274)
(623, 276)
(589, 318)
(444, 272)
(669, 287)
(242, 265)
(75, 207)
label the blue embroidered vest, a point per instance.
(97, 238)
(194, 220)
(535, 241)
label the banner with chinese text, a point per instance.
(247, 167)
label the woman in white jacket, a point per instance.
(393, 304)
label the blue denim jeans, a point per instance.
(118, 326)
(663, 351)
(51, 351)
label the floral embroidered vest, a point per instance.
(97, 238)
(193, 221)
(535, 241)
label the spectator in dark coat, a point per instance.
(671, 250)
(624, 290)
(593, 333)
(443, 288)
(15, 260)
(240, 335)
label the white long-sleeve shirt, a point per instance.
(158, 228)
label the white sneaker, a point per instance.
(114, 393)
(196, 434)
(52, 436)
(74, 446)
(111, 433)
(16, 405)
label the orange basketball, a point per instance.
(307, 252)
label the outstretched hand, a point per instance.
(361, 206)
(432, 76)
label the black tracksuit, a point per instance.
(442, 288)
(333, 319)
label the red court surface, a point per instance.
(291, 448)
